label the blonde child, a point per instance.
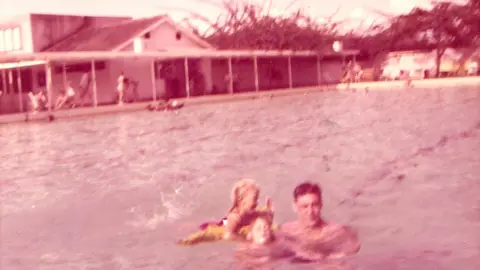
(245, 195)
(235, 225)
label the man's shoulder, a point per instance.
(336, 227)
(333, 226)
(339, 231)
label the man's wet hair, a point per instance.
(307, 188)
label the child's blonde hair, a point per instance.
(240, 190)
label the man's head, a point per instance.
(308, 203)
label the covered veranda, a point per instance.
(10, 64)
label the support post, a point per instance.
(154, 81)
(49, 84)
(4, 82)
(290, 80)
(319, 71)
(255, 73)
(187, 78)
(94, 83)
(230, 75)
(64, 75)
(10, 81)
(20, 90)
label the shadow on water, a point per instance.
(116, 192)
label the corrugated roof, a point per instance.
(105, 38)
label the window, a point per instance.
(17, 40)
(137, 45)
(10, 39)
(7, 36)
(2, 41)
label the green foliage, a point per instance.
(251, 26)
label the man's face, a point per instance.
(308, 209)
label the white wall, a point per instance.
(164, 38)
(23, 22)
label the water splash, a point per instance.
(167, 211)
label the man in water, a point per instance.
(311, 236)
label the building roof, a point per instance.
(105, 38)
(116, 36)
(190, 54)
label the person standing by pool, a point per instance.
(120, 88)
(357, 72)
(314, 238)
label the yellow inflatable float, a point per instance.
(212, 232)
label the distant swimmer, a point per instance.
(165, 106)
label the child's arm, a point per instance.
(269, 205)
(230, 228)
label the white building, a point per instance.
(205, 70)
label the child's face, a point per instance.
(260, 232)
(250, 201)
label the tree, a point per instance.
(471, 20)
(251, 26)
(437, 29)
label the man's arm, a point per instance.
(288, 237)
(347, 244)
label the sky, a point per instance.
(355, 12)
